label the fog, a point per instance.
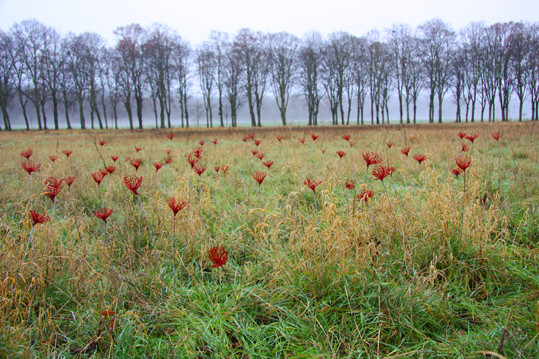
(297, 114)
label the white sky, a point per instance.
(194, 19)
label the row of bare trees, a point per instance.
(44, 74)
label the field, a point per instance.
(432, 265)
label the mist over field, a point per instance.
(296, 114)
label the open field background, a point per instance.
(422, 270)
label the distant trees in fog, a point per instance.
(481, 68)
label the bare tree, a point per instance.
(152, 76)
(261, 68)
(438, 40)
(77, 65)
(113, 83)
(129, 48)
(66, 81)
(533, 70)
(233, 79)
(103, 79)
(219, 43)
(158, 52)
(400, 41)
(519, 46)
(386, 83)
(283, 51)
(470, 43)
(245, 46)
(505, 79)
(338, 56)
(181, 58)
(497, 78)
(8, 78)
(93, 52)
(309, 73)
(329, 81)
(360, 74)
(416, 79)
(379, 70)
(206, 68)
(22, 84)
(491, 51)
(458, 75)
(30, 39)
(255, 58)
(53, 66)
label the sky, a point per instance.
(195, 19)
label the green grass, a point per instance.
(420, 272)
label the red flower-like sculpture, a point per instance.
(420, 158)
(133, 183)
(312, 184)
(158, 166)
(405, 151)
(199, 170)
(372, 158)
(364, 195)
(463, 162)
(218, 256)
(381, 172)
(259, 177)
(26, 154)
(103, 214)
(176, 205)
(38, 218)
(31, 166)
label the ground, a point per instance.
(428, 267)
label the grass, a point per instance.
(434, 275)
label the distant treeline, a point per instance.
(46, 75)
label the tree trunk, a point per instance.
(221, 107)
(162, 105)
(186, 112)
(431, 107)
(38, 116)
(415, 108)
(520, 109)
(91, 114)
(154, 104)
(23, 107)
(55, 111)
(104, 111)
(440, 102)
(66, 110)
(251, 106)
(115, 114)
(7, 122)
(401, 114)
(81, 113)
(44, 115)
(138, 99)
(127, 105)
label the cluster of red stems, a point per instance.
(218, 255)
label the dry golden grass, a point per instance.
(287, 265)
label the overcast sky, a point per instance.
(194, 19)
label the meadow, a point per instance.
(439, 260)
